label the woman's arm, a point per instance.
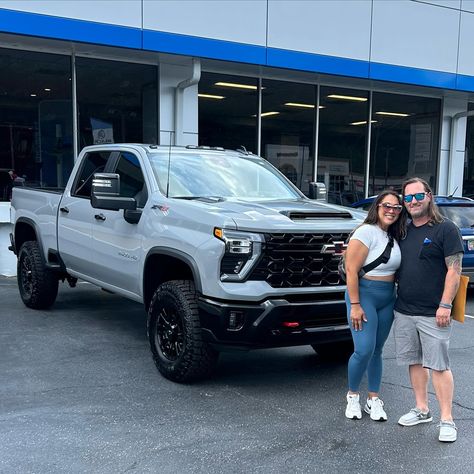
(355, 257)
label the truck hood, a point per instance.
(294, 215)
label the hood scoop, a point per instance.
(308, 215)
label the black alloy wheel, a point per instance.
(175, 334)
(37, 283)
(169, 333)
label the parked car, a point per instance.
(458, 209)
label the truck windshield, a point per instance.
(200, 174)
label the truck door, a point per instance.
(76, 216)
(117, 244)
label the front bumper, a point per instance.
(286, 321)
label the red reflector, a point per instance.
(291, 324)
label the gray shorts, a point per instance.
(419, 340)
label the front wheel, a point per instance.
(174, 333)
(38, 285)
(341, 350)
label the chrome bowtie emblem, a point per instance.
(336, 248)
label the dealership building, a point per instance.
(359, 94)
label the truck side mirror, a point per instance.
(105, 193)
(318, 191)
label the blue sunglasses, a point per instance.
(417, 196)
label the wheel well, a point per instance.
(23, 233)
(160, 268)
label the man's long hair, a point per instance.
(398, 229)
(433, 211)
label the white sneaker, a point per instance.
(447, 431)
(374, 407)
(353, 410)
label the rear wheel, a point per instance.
(38, 285)
(174, 333)
(341, 350)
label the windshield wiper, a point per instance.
(201, 198)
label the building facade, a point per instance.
(360, 94)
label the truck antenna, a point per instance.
(452, 194)
(169, 166)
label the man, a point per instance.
(428, 282)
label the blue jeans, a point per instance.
(377, 299)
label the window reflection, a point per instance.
(288, 117)
(342, 143)
(35, 120)
(468, 183)
(228, 109)
(117, 102)
(404, 142)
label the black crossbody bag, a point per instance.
(383, 258)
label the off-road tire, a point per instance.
(38, 285)
(174, 333)
(339, 351)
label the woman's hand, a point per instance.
(357, 317)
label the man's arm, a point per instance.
(451, 284)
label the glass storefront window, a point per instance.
(342, 145)
(35, 120)
(405, 140)
(468, 183)
(288, 118)
(117, 102)
(228, 107)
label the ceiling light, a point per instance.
(48, 90)
(364, 122)
(268, 114)
(392, 114)
(211, 96)
(298, 104)
(348, 97)
(32, 95)
(236, 85)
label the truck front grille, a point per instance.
(295, 260)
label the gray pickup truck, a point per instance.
(222, 250)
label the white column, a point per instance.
(170, 76)
(451, 163)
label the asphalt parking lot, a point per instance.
(79, 393)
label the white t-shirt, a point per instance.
(376, 239)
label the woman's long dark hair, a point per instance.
(398, 229)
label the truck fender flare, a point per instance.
(178, 254)
(34, 226)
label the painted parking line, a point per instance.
(468, 316)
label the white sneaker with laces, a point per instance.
(353, 410)
(374, 407)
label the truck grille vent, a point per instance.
(295, 260)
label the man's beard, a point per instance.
(420, 211)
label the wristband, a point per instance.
(355, 302)
(445, 305)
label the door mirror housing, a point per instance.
(318, 191)
(105, 193)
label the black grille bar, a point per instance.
(292, 260)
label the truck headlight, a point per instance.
(242, 250)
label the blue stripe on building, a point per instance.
(47, 26)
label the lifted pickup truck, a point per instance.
(222, 250)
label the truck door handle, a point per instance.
(64, 209)
(100, 217)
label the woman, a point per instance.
(370, 298)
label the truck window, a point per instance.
(132, 183)
(93, 163)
